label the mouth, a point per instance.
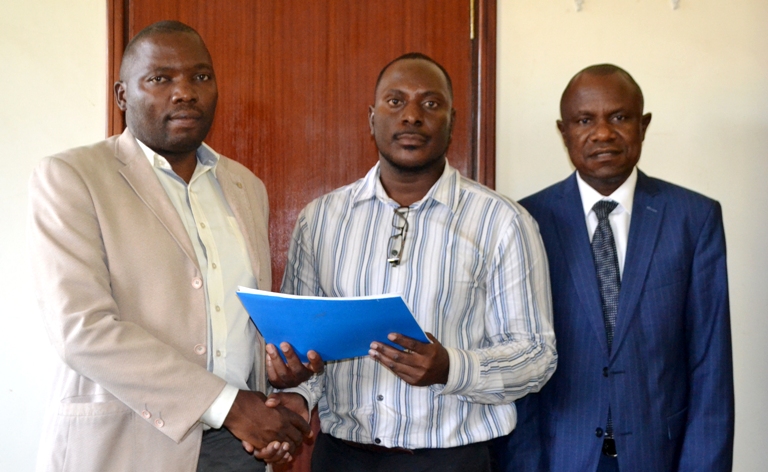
(605, 153)
(185, 117)
(410, 139)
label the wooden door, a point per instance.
(296, 78)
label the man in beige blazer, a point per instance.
(129, 238)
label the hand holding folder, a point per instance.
(285, 369)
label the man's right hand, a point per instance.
(275, 452)
(252, 421)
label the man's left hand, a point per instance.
(292, 372)
(421, 364)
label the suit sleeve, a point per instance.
(83, 320)
(708, 442)
(522, 449)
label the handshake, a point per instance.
(271, 428)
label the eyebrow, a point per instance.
(199, 66)
(624, 110)
(421, 94)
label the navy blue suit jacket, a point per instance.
(669, 377)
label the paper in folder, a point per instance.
(336, 328)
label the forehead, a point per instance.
(169, 50)
(413, 75)
(590, 92)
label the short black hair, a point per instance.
(160, 27)
(423, 57)
(603, 70)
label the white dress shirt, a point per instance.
(224, 263)
(474, 273)
(619, 218)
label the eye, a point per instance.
(620, 118)
(157, 79)
(431, 104)
(203, 77)
(394, 102)
(584, 121)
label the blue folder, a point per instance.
(336, 328)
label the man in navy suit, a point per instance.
(654, 392)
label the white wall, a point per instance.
(52, 97)
(701, 67)
(704, 72)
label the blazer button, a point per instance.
(159, 423)
(605, 371)
(197, 283)
(147, 415)
(200, 349)
(599, 432)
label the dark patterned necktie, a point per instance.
(608, 278)
(607, 264)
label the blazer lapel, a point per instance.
(647, 215)
(140, 176)
(574, 240)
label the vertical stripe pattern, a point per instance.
(474, 273)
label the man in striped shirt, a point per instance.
(468, 262)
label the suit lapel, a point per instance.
(142, 179)
(574, 240)
(647, 214)
(234, 193)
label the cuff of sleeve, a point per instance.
(304, 392)
(463, 370)
(311, 390)
(215, 415)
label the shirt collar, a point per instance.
(206, 157)
(624, 195)
(445, 190)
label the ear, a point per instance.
(370, 118)
(644, 122)
(561, 128)
(120, 95)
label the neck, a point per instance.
(409, 186)
(604, 187)
(183, 164)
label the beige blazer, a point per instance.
(122, 298)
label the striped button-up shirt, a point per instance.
(474, 273)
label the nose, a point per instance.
(184, 91)
(412, 113)
(603, 131)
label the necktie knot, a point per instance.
(603, 208)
